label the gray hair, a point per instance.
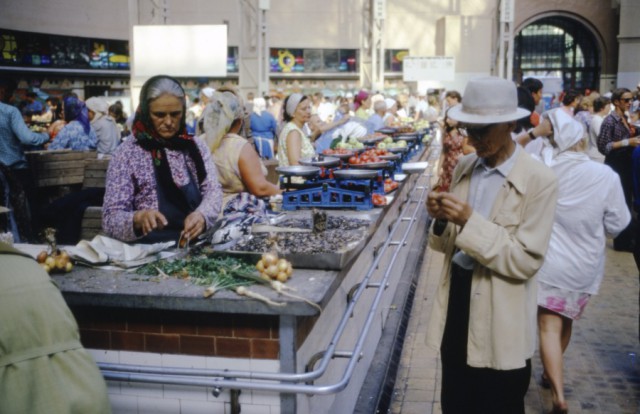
(163, 86)
(380, 106)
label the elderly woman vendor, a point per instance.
(239, 167)
(162, 184)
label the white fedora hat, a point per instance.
(488, 100)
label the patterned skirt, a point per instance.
(562, 301)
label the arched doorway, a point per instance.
(558, 47)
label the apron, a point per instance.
(174, 211)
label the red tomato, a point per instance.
(353, 160)
(378, 199)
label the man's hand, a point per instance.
(446, 206)
(148, 220)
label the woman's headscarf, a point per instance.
(76, 110)
(359, 99)
(99, 106)
(218, 116)
(259, 105)
(148, 138)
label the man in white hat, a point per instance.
(493, 227)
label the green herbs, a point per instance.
(223, 272)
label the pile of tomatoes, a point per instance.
(370, 155)
(378, 199)
(390, 185)
(337, 151)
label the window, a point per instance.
(558, 47)
(232, 59)
(393, 59)
(313, 60)
(64, 52)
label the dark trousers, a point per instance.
(620, 161)
(469, 390)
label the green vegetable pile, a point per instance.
(222, 272)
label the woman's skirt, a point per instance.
(562, 301)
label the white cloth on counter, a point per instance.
(103, 250)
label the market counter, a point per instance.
(128, 318)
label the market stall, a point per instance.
(160, 341)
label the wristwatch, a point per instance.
(530, 133)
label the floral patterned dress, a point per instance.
(452, 151)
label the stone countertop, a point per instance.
(123, 289)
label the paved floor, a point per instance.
(602, 373)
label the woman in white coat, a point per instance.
(591, 207)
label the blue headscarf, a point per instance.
(76, 110)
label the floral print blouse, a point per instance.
(72, 136)
(131, 186)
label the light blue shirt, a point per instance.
(13, 134)
(374, 123)
(485, 184)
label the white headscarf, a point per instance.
(259, 105)
(99, 106)
(567, 132)
(292, 103)
(218, 115)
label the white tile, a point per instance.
(202, 407)
(113, 387)
(184, 361)
(265, 398)
(141, 389)
(158, 406)
(124, 404)
(140, 358)
(102, 355)
(185, 392)
(265, 365)
(257, 409)
(232, 364)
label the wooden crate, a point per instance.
(91, 223)
(95, 173)
(59, 167)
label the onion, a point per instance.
(272, 271)
(260, 266)
(282, 265)
(42, 256)
(282, 277)
(269, 259)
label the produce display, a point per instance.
(337, 151)
(368, 156)
(58, 261)
(230, 273)
(271, 267)
(378, 199)
(341, 233)
(388, 142)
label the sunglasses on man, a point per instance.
(476, 130)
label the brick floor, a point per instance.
(602, 371)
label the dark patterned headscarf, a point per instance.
(76, 110)
(148, 138)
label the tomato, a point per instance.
(353, 160)
(388, 181)
(378, 199)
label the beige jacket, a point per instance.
(509, 248)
